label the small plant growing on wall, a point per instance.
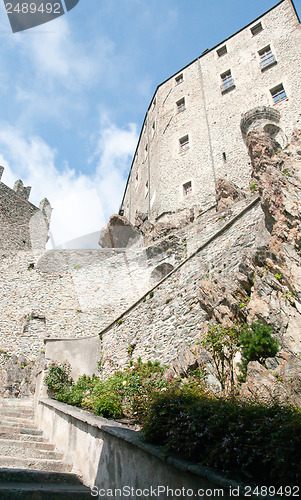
(131, 349)
(257, 344)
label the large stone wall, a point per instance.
(23, 225)
(172, 319)
(212, 119)
(71, 294)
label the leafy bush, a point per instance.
(257, 344)
(127, 392)
(80, 390)
(222, 343)
(58, 379)
(243, 440)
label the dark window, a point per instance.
(227, 81)
(184, 143)
(266, 57)
(278, 93)
(256, 29)
(222, 51)
(181, 105)
(187, 188)
(179, 79)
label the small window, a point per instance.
(184, 143)
(278, 94)
(224, 156)
(146, 189)
(181, 105)
(266, 58)
(227, 81)
(179, 79)
(256, 29)
(153, 128)
(136, 179)
(222, 51)
(145, 151)
(154, 102)
(187, 188)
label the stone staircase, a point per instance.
(30, 468)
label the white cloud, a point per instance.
(80, 202)
(115, 149)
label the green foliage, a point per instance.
(257, 344)
(253, 187)
(243, 440)
(131, 349)
(222, 343)
(80, 390)
(58, 379)
(151, 294)
(127, 392)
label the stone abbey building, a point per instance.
(195, 128)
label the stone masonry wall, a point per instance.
(171, 319)
(23, 225)
(71, 294)
(211, 118)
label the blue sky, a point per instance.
(74, 92)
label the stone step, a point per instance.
(8, 475)
(40, 464)
(16, 403)
(16, 412)
(10, 429)
(30, 491)
(34, 445)
(18, 422)
(22, 437)
(24, 450)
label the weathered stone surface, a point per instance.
(227, 193)
(282, 384)
(18, 374)
(118, 233)
(23, 225)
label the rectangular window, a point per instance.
(181, 105)
(222, 51)
(184, 143)
(179, 79)
(187, 188)
(266, 57)
(146, 189)
(145, 151)
(278, 94)
(227, 81)
(256, 29)
(136, 180)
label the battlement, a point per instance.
(23, 225)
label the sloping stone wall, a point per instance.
(171, 319)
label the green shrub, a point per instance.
(257, 344)
(222, 343)
(58, 379)
(80, 390)
(243, 440)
